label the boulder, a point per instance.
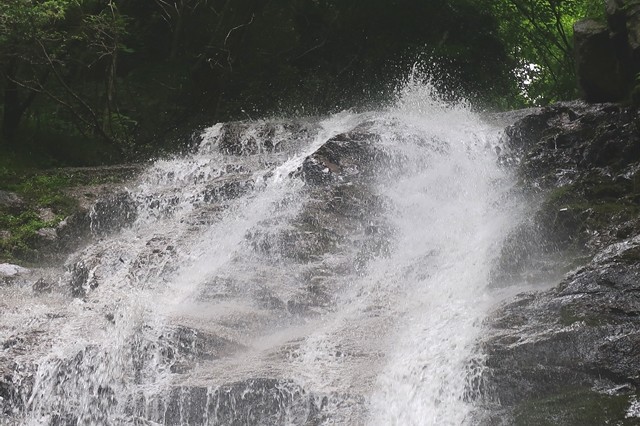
(346, 156)
(8, 270)
(602, 74)
(608, 55)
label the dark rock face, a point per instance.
(343, 157)
(581, 337)
(570, 354)
(575, 137)
(587, 157)
(623, 18)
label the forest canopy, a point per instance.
(92, 81)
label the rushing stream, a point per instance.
(312, 271)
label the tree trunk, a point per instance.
(14, 108)
(111, 87)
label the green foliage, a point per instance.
(23, 231)
(45, 189)
(39, 191)
(539, 36)
(7, 175)
(132, 74)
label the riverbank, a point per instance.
(44, 214)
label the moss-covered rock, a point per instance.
(576, 407)
(44, 214)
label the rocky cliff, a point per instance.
(569, 352)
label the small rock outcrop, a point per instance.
(343, 157)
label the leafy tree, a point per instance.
(26, 28)
(131, 73)
(539, 37)
(49, 44)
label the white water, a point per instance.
(387, 334)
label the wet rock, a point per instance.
(237, 140)
(42, 286)
(574, 136)
(8, 270)
(344, 157)
(82, 277)
(228, 189)
(569, 355)
(185, 346)
(247, 138)
(255, 401)
(112, 212)
(73, 230)
(587, 157)
(10, 400)
(574, 343)
(16, 381)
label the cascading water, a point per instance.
(329, 271)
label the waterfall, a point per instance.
(302, 271)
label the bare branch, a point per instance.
(238, 27)
(94, 117)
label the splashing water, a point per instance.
(328, 271)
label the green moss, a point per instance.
(561, 195)
(631, 256)
(23, 230)
(569, 316)
(594, 203)
(39, 190)
(608, 191)
(574, 406)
